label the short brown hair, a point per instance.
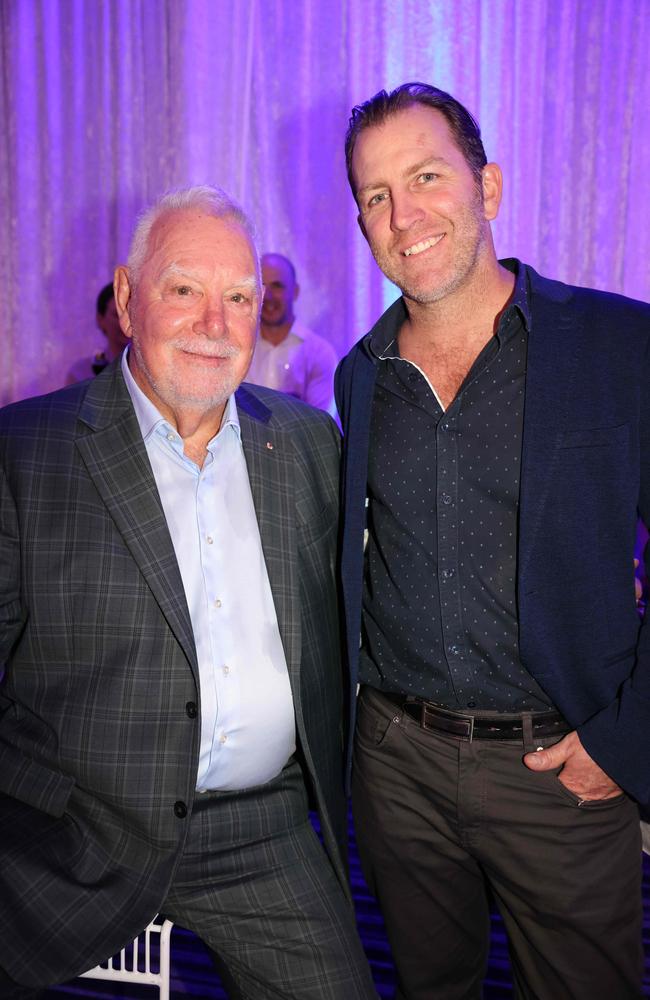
(462, 124)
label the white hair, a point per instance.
(212, 200)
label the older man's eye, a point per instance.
(238, 297)
(183, 290)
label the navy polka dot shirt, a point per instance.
(439, 608)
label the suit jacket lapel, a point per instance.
(269, 457)
(550, 375)
(117, 462)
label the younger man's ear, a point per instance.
(492, 188)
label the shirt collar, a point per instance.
(298, 330)
(149, 417)
(382, 339)
(521, 295)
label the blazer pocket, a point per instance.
(596, 437)
(32, 783)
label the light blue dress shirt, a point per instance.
(247, 715)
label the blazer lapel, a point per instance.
(550, 375)
(269, 458)
(117, 462)
(357, 396)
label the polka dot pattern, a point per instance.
(439, 610)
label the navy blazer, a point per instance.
(585, 479)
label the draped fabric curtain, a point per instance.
(105, 104)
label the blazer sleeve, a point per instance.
(618, 736)
(11, 613)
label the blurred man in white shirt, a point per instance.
(288, 356)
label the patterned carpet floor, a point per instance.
(193, 975)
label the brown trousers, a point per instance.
(439, 819)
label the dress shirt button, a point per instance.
(170, 436)
(454, 650)
(192, 709)
(471, 704)
(447, 574)
(180, 809)
(223, 738)
(446, 499)
(217, 603)
(226, 668)
(209, 539)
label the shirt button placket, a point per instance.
(447, 511)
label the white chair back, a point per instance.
(133, 964)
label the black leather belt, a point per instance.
(477, 727)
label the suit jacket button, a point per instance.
(180, 809)
(191, 709)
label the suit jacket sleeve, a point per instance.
(617, 736)
(11, 617)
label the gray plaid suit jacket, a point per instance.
(98, 751)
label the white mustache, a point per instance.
(215, 350)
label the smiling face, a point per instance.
(420, 209)
(280, 290)
(194, 313)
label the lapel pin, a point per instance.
(269, 446)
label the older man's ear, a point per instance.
(122, 289)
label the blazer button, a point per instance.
(180, 809)
(191, 709)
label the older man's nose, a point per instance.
(211, 321)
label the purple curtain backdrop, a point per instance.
(107, 103)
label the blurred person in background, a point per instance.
(108, 322)
(288, 356)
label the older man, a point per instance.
(497, 437)
(172, 693)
